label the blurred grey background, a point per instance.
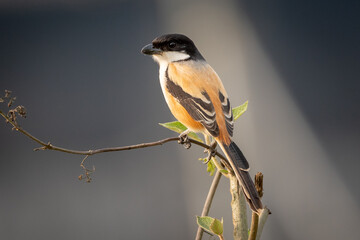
(78, 69)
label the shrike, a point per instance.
(197, 98)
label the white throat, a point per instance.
(170, 56)
(164, 59)
(162, 74)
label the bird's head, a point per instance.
(172, 48)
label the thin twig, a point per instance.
(49, 146)
(87, 172)
(211, 193)
(254, 225)
(208, 201)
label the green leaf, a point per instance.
(217, 227)
(210, 224)
(210, 167)
(238, 111)
(180, 128)
(204, 222)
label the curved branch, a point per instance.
(49, 146)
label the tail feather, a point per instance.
(240, 167)
(237, 156)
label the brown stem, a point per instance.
(255, 217)
(254, 226)
(49, 146)
(211, 193)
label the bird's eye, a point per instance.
(172, 44)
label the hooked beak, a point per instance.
(150, 50)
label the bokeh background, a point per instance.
(77, 68)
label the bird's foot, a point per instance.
(184, 139)
(211, 151)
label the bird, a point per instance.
(197, 98)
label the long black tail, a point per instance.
(240, 166)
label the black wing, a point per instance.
(225, 102)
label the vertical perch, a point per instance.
(258, 222)
(208, 202)
(263, 217)
(238, 206)
(255, 218)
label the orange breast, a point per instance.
(194, 78)
(182, 115)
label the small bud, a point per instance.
(12, 115)
(80, 177)
(10, 102)
(7, 93)
(21, 111)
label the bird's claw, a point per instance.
(184, 140)
(211, 152)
